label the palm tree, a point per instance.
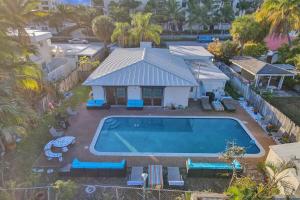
(121, 33)
(143, 29)
(283, 15)
(16, 14)
(175, 14)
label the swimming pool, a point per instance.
(171, 136)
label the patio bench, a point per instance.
(135, 104)
(228, 104)
(106, 169)
(211, 168)
(96, 104)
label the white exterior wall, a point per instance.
(134, 92)
(98, 92)
(216, 86)
(291, 176)
(178, 96)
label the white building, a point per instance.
(160, 77)
(287, 152)
(47, 5)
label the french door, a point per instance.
(116, 95)
(153, 96)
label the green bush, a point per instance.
(65, 190)
(254, 49)
(231, 91)
(223, 50)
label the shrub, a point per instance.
(254, 49)
(223, 50)
(65, 190)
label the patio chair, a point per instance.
(213, 168)
(228, 104)
(97, 104)
(56, 133)
(217, 105)
(205, 103)
(71, 112)
(135, 178)
(174, 177)
(135, 104)
(155, 176)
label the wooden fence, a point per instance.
(272, 114)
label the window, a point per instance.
(152, 96)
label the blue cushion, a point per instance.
(205, 38)
(76, 164)
(213, 166)
(135, 103)
(95, 103)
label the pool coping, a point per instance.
(210, 155)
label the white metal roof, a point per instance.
(190, 52)
(206, 70)
(142, 66)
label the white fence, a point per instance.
(265, 109)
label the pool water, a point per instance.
(170, 136)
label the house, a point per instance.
(287, 152)
(160, 77)
(262, 74)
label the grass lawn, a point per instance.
(31, 146)
(290, 106)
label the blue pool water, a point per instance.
(165, 135)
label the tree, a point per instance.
(246, 29)
(120, 11)
(16, 14)
(58, 16)
(121, 34)
(175, 14)
(157, 8)
(143, 30)
(283, 15)
(254, 49)
(65, 190)
(223, 50)
(231, 154)
(103, 28)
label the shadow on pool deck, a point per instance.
(84, 124)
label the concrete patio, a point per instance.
(84, 124)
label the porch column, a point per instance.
(256, 80)
(269, 81)
(280, 83)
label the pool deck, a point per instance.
(85, 123)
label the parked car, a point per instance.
(78, 41)
(204, 38)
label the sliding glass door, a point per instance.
(153, 96)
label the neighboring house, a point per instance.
(262, 74)
(47, 5)
(287, 152)
(160, 77)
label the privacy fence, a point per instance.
(100, 192)
(270, 113)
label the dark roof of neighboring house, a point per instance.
(255, 66)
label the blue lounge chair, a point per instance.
(108, 169)
(135, 104)
(216, 168)
(95, 104)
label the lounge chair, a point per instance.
(228, 104)
(107, 169)
(174, 177)
(208, 169)
(135, 104)
(71, 112)
(155, 176)
(135, 178)
(205, 103)
(217, 105)
(96, 104)
(56, 133)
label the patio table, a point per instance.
(64, 142)
(155, 179)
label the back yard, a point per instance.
(290, 106)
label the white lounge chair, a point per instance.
(71, 112)
(50, 155)
(135, 178)
(174, 177)
(55, 133)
